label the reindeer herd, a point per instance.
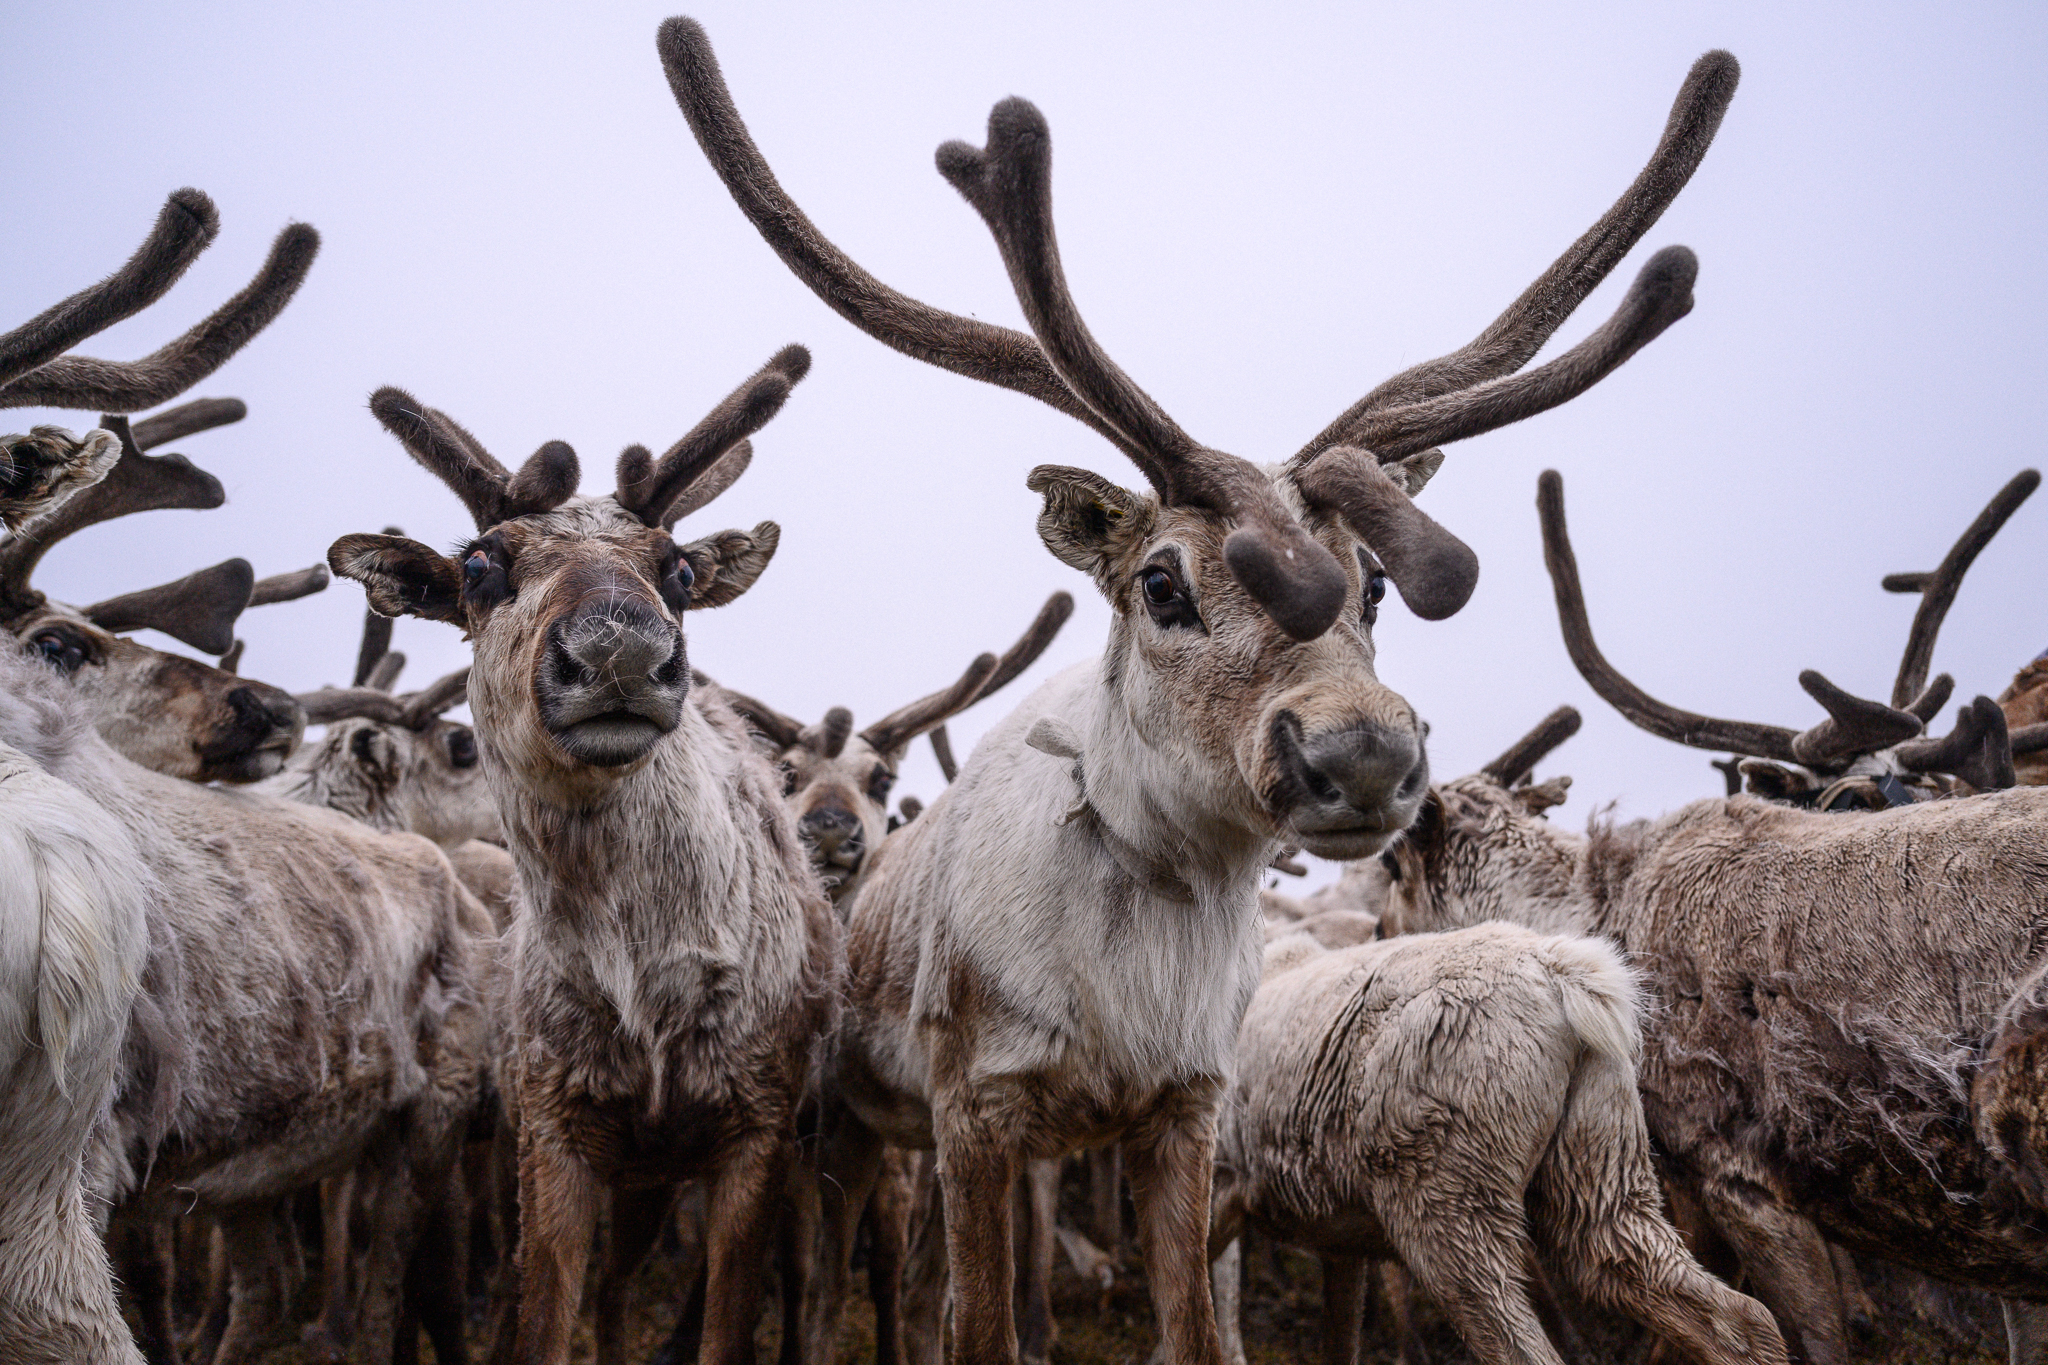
(632, 957)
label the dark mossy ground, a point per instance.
(1918, 1324)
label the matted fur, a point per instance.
(1828, 987)
(1403, 1099)
(73, 935)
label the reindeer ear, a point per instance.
(726, 564)
(1539, 797)
(401, 577)
(1087, 521)
(1415, 472)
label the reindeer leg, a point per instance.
(327, 1336)
(796, 1253)
(1036, 1330)
(745, 1196)
(1169, 1160)
(559, 1198)
(637, 1216)
(849, 1159)
(257, 1292)
(1788, 1264)
(977, 1162)
(1343, 1308)
(688, 1334)
(888, 1223)
(1399, 1287)
(1105, 1199)
(1226, 1287)
(2026, 1332)
(142, 1259)
(924, 1272)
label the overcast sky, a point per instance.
(1262, 215)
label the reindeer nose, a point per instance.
(829, 829)
(614, 678)
(1354, 785)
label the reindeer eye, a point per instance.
(879, 783)
(462, 748)
(1159, 587)
(676, 582)
(60, 651)
(1166, 601)
(476, 565)
(1376, 589)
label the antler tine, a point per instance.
(901, 726)
(447, 451)
(1291, 575)
(1517, 334)
(966, 346)
(647, 489)
(199, 609)
(136, 483)
(1643, 710)
(1525, 753)
(330, 704)
(425, 706)
(1854, 725)
(724, 472)
(1032, 643)
(83, 382)
(1979, 750)
(2029, 739)
(833, 734)
(1010, 186)
(1660, 296)
(290, 587)
(383, 675)
(188, 419)
(782, 731)
(185, 226)
(1938, 589)
(942, 749)
(376, 641)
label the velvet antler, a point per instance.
(77, 381)
(185, 226)
(1979, 750)
(199, 609)
(906, 723)
(1525, 753)
(291, 586)
(1854, 725)
(1460, 394)
(649, 488)
(491, 492)
(1938, 589)
(414, 711)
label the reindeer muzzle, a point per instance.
(1343, 793)
(613, 679)
(262, 727)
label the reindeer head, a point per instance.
(1479, 847)
(575, 604)
(1865, 754)
(1244, 596)
(169, 713)
(393, 761)
(838, 781)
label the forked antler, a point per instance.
(199, 609)
(1854, 725)
(413, 710)
(1525, 753)
(1289, 574)
(924, 715)
(291, 586)
(689, 474)
(34, 372)
(137, 483)
(1938, 589)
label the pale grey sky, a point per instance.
(1262, 212)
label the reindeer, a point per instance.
(2025, 700)
(838, 781)
(1823, 1064)
(143, 695)
(673, 960)
(1464, 1101)
(1055, 955)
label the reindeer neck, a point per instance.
(1158, 813)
